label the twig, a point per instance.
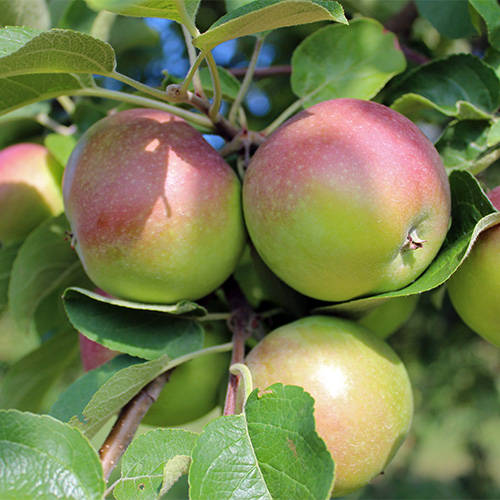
(128, 421)
(284, 69)
(243, 322)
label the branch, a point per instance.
(284, 69)
(128, 421)
(243, 322)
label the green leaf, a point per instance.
(489, 10)
(116, 393)
(8, 254)
(153, 462)
(183, 308)
(26, 51)
(451, 18)
(33, 13)
(345, 61)
(460, 85)
(26, 113)
(466, 145)
(263, 15)
(167, 9)
(45, 264)
(41, 457)
(472, 213)
(123, 385)
(72, 402)
(26, 382)
(494, 134)
(279, 453)
(14, 344)
(23, 90)
(141, 333)
(381, 10)
(60, 146)
(492, 57)
(129, 33)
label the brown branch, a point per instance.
(242, 323)
(128, 421)
(222, 125)
(283, 69)
(401, 23)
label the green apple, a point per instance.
(155, 211)
(193, 388)
(30, 190)
(363, 397)
(390, 316)
(346, 199)
(474, 288)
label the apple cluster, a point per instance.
(346, 199)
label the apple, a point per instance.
(30, 191)
(390, 316)
(348, 198)
(193, 388)
(363, 397)
(154, 210)
(474, 288)
(93, 354)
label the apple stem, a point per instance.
(128, 421)
(412, 242)
(243, 322)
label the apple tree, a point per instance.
(227, 234)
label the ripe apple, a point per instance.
(474, 288)
(29, 189)
(93, 354)
(347, 198)
(155, 211)
(363, 397)
(390, 316)
(193, 388)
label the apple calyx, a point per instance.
(412, 241)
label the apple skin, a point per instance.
(155, 211)
(94, 354)
(332, 196)
(363, 397)
(29, 189)
(389, 317)
(193, 388)
(474, 288)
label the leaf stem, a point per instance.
(67, 104)
(213, 112)
(159, 94)
(295, 106)
(195, 63)
(48, 122)
(247, 80)
(186, 20)
(146, 102)
(243, 323)
(192, 72)
(244, 389)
